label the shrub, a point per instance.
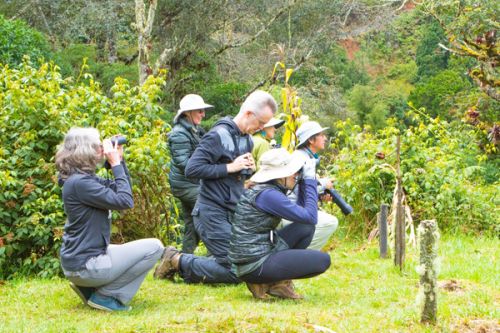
(37, 107)
(430, 58)
(443, 174)
(437, 93)
(18, 40)
(71, 58)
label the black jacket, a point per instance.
(220, 146)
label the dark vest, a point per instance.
(251, 229)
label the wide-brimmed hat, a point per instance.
(274, 122)
(191, 102)
(277, 163)
(307, 130)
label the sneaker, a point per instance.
(83, 292)
(169, 264)
(106, 303)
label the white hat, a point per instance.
(277, 163)
(274, 122)
(191, 102)
(307, 130)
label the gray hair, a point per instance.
(78, 152)
(257, 101)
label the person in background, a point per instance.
(265, 258)
(262, 140)
(182, 141)
(223, 161)
(105, 276)
(312, 141)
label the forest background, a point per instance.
(370, 70)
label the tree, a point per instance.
(144, 27)
(471, 27)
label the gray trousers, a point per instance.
(213, 224)
(120, 272)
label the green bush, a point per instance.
(71, 58)
(437, 94)
(225, 97)
(37, 107)
(18, 40)
(431, 58)
(444, 174)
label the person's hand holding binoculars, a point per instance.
(241, 162)
(111, 152)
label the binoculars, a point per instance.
(119, 139)
(246, 173)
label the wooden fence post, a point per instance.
(428, 237)
(382, 230)
(399, 246)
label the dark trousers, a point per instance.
(293, 263)
(213, 225)
(190, 238)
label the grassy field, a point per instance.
(359, 293)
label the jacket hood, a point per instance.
(228, 121)
(60, 180)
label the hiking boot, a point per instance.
(258, 290)
(106, 303)
(169, 264)
(284, 289)
(83, 292)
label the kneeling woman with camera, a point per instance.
(104, 276)
(265, 258)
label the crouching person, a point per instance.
(103, 275)
(268, 259)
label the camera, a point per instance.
(339, 201)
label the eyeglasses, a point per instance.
(261, 123)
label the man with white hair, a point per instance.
(223, 161)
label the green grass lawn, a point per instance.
(359, 293)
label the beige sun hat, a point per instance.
(191, 102)
(307, 130)
(277, 163)
(274, 122)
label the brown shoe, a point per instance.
(169, 264)
(284, 289)
(258, 290)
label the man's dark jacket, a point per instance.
(220, 146)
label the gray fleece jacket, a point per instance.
(88, 200)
